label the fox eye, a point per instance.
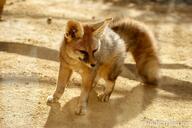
(83, 52)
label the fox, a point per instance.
(98, 50)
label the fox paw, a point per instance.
(80, 110)
(51, 99)
(103, 97)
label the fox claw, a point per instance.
(51, 99)
(80, 110)
(104, 97)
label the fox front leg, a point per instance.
(63, 78)
(87, 81)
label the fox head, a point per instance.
(83, 41)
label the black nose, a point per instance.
(92, 65)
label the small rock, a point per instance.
(49, 20)
(29, 40)
(11, 3)
(93, 17)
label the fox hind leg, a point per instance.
(110, 82)
(104, 97)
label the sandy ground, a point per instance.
(29, 68)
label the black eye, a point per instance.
(83, 52)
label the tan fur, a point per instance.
(97, 51)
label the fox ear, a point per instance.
(99, 28)
(74, 30)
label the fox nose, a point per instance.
(92, 65)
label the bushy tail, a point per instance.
(141, 43)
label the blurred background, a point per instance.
(30, 35)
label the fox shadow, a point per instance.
(181, 88)
(116, 111)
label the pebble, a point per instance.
(49, 20)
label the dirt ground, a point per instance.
(29, 67)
